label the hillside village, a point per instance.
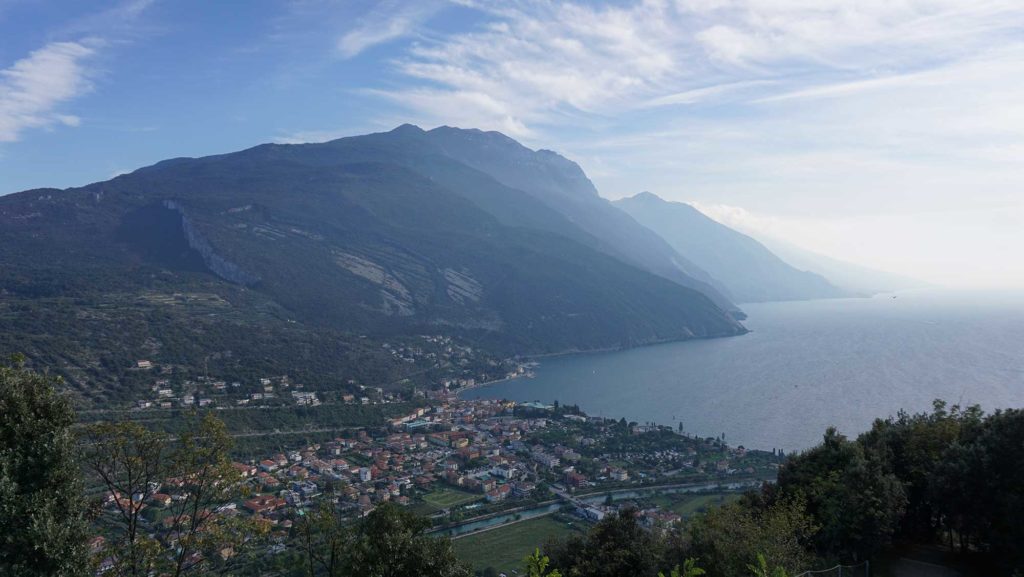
(458, 365)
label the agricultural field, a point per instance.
(505, 547)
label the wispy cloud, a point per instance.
(539, 62)
(33, 89)
(389, 21)
(535, 61)
(705, 94)
(121, 20)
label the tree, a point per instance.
(761, 568)
(201, 467)
(392, 542)
(913, 448)
(729, 538)
(42, 510)
(856, 502)
(133, 464)
(537, 564)
(689, 569)
(616, 546)
(324, 540)
(986, 465)
(128, 460)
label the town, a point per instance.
(471, 465)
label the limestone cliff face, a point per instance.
(217, 264)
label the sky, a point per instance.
(889, 133)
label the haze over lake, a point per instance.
(804, 366)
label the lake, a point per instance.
(803, 367)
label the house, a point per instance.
(244, 469)
(505, 471)
(264, 504)
(592, 513)
(549, 461)
(574, 479)
(267, 480)
(307, 489)
(641, 429)
(499, 493)
(523, 489)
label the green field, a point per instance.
(504, 548)
(448, 498)
(688, 505)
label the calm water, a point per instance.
(803, 367)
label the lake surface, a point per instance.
(803, 367)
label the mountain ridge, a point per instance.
(333, 238)
(750, 270)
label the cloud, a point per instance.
(705, 94)
(534, 62)
(121, 20)
(33, 88)
(549, 63)
(388, 22)
(848, 33)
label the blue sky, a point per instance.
(885, 132)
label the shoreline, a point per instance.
(460, 390)
(535, 358)
(619, 348)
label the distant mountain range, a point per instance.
(315, 254)
(861, 280)
(751, 272)
(406, 232)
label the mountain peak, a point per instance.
(476, 133)
(647, 197)
(407, 129)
